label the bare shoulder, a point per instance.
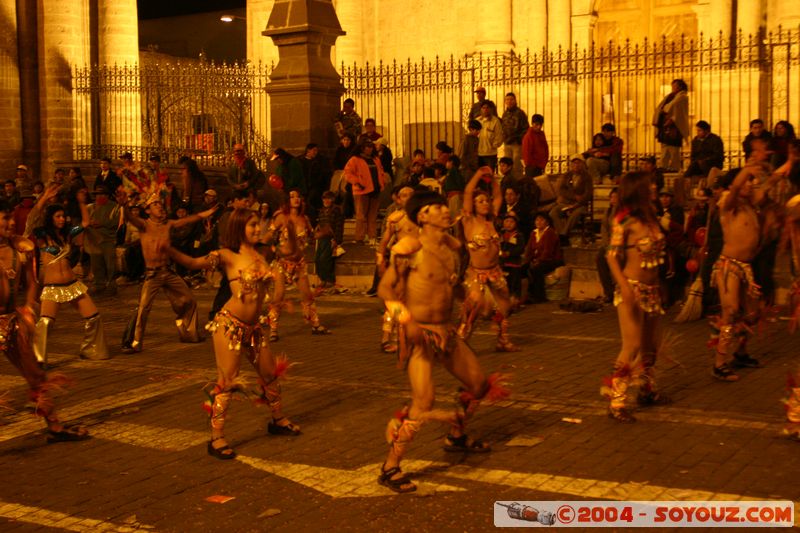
(406, 246)
(396, 216)
(453, 243)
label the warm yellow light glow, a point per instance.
(226, 18)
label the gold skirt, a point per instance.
(63, 293)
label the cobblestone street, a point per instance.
(147, 467)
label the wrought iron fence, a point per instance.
(195, 108)
(201, 108)
(731, 81)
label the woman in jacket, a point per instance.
(365, 173)
(672, 125)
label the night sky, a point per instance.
(149, 9)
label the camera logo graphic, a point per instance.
(517, 511)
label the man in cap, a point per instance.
(475, 111)
(22, 177)
(159, 273)
(243, 174)
(101, 240)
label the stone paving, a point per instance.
(147, 469)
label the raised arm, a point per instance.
(497, 196)
(472, 185)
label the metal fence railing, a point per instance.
(731, 81)
(201, 108)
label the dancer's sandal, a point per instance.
(290, 429)
(724, 373)
(72, 434)
(506, 347)
(401, 485)
(223, 453)
(464, 444)
(389, 347)
(320, 330)
(621, 415)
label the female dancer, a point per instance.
(16, 329)
(484, 272)
(294, 231)
(55, 239)
(239, 327)
(634, 254)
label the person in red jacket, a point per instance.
(543, 255)
(535, 150)
(365, 173)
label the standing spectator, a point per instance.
(490, 138)
(129, 172)
(347, 120)
(316, 175)
(75, 178)
(386, 157)
(671, 120)
(365, 174)
(782, 137)
(290, 170)
(573, 192)
(535, 150)
(475, 110)
(370, 131)
(194, 184)
(10, 194)
(243, 174)
(707, 151)
(515, 126)
(329, 233)
(603, 270)
(606, 159)
(543, 255)
(22, 177)
(101, 240)
(345, 150)
(468, 151)
(107, 177)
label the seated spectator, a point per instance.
(648, 164)
(505, 167)
(513, 205)
(606, 159)
(38, 189)
(429, 180)
(443, 152)
(603, 271)
(535, 150)
(413, 174)
(370, 132)
(573, 194)
(782, 137)
(707, 151)
(512, 246)
(542, 255)
(757, 131)
(10, 194)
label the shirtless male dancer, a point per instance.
(418, 292)
(732, 274)
(398, 225)
(158, 272)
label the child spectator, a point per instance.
(454, 185)
(511, 249)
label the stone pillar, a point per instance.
(580, 124)
(351, 47)
(536, 25)
(714, 17)
(259, 50)
(305, 87)
(64, 30)
(118, 45)
(10, 115)
(559, 13)
(494, 27)
(750, 16)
